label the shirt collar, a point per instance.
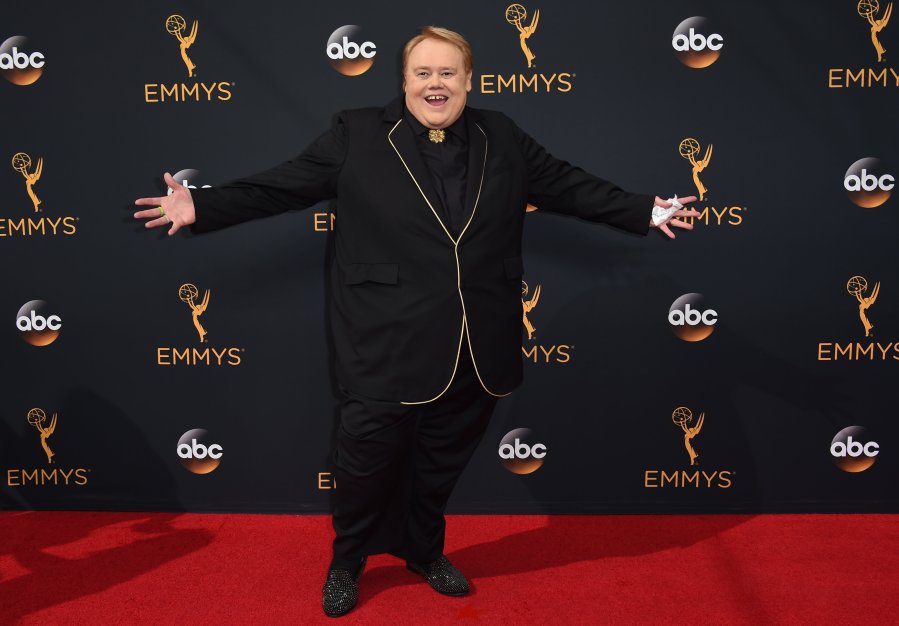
(457, 128)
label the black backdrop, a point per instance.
(785, 124)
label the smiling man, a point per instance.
(425, 301)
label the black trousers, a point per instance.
(396, 465)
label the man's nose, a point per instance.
(435, 80)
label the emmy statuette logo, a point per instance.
(869, 9)
(198, 91)
(689, 148)
(347, 55)
(856, 286)
(518, 455)
(17, 65)
(37, 418)
(175, 25)
(695, 43)
(528, 304)
(21, 162)
(695, 477)
(515, 14)
(870, 349)
(534, 351)
(878, 74)
(683, 417)
(49, 473)
(189, 294)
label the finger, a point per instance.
(664, 228)
(687, 213)
(173, 185)
(149, 201)
(681, 224)
(662, 203)
(687, 199)
(154, 212)
(159, 221)
(174, 228)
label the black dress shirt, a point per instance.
(448, 163)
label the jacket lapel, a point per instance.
(477, 159)
(402, 139)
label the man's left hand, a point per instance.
(672, 220)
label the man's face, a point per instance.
(436, 83)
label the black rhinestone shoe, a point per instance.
(442, 576)
(341, 592)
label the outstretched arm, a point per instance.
(295, 184)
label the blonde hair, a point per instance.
(442, 34)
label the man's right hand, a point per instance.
(176, 209)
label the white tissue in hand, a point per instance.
(661, 215)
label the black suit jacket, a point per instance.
(407, 296)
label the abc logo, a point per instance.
(866, 185)
(694, 49)
(347, 56)
(37, 325)
(690, 319)
(197, 454)
(18, 66)
(853, 451)
(184, 177)
(519, 456)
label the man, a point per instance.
(425, 286)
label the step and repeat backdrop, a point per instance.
(750, 365)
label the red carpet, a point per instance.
(120, 568)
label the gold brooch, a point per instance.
(437, 136)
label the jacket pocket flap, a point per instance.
(384, 273)
(514, 267)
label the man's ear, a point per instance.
(468, 81)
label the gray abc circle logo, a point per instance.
(867, 184)
(349, 52)
(19, 65)
(198, 452)
(695, 42)
(38, 323)
(853, 449)
(187, 178)
(520, 452)
(690, 319)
